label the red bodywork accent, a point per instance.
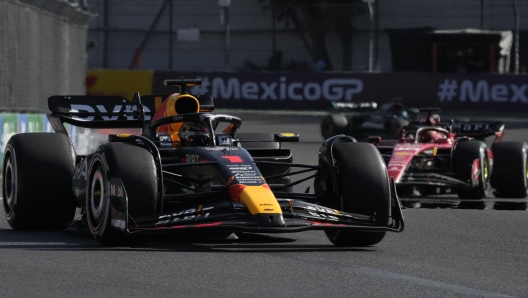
(320, 223)
(214, 224)
(233, 158)
(235, 191)
(475, 169)
(498, 136)
(404, 153)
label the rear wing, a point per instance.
(110, 111)
(475, 129)
(115, 111)
(102, 111)
(354, 106)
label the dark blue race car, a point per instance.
(366, 119)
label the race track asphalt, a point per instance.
(445, 251)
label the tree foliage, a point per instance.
(313, 19)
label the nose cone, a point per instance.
(259, 199)
(270, 220)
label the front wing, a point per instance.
(298, 216)
(231, 216)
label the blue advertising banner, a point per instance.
(318, 90)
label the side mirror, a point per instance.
(374, 140)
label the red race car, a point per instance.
(430, 155)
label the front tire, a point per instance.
(37, 181)
(136, 169)
(465, 154)
(364, 189)
(510, 169)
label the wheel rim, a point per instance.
(526, 170)
(9, 185)
(96, 195)
(485, 170)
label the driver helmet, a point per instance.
(429, 136)
(193, 134)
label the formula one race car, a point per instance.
(432, 155)
(384, 121)
(181, 174)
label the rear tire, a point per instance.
(364, 189)
(465, 154)
(510, 169)
(37, 181)
(136, 169)
(333, 124)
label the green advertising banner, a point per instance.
(8, 127)
(35, 123)
(11, 124)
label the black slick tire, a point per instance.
(37, 181)
(136, 169)
(510, 172)
(466, 153)
(364, 189)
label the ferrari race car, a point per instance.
(384, 121)
(432, 156)
(181, 174)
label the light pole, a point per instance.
(516, 10)
(224, 6)
(371, 34)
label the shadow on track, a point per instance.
(76, 240)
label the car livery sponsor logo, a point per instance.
(402, 153)
(80, 170)
(408, 148)
(177, 118)
(185, 215)
(245, 174)
(220, 148)
(395, 168)
(320, 212)
(203, 116)
(190, 158)
(223, 139)
(114, 114)
(471, 127)
(165, 140)
(117, 191)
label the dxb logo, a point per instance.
(469, 91)
(333, 89)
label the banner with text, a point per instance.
(317, 91)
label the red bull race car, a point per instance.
(432, 155)
(184, 173)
